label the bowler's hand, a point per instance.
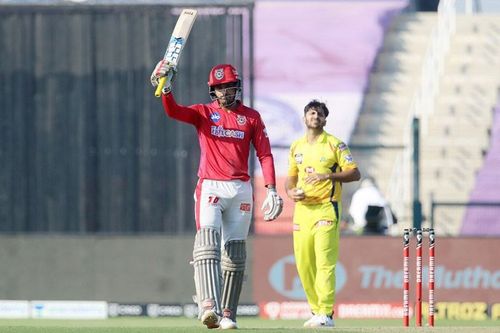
(296, 194)
(314, 178)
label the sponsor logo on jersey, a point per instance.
(241, 120)
(221, 132)
(322, 159)
(296, 227)
(348, 158)
(298, 158)
(245, 207)
(215, 117)
(342, 146)
(309, 169)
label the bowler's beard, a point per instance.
(316, 125)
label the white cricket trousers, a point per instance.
(225, 205)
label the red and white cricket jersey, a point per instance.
(225, 138)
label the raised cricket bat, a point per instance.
(176, 44)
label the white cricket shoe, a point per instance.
(318, 321)
(227, 323)
(210, 319)
(309, 321)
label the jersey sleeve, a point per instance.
(260, 141)
(344, 157)
(187, 114)
(293, 170)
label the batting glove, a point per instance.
(273, 205)
(163, 68)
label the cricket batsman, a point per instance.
(223, 196)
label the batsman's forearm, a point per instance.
(267, 164)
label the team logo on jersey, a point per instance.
(322, 159)
(241, 120)
(348, 158)
(265, 132)
(219, 73)
(245, 207)
(215, 117)
(298, 158)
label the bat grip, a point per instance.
(160, 86)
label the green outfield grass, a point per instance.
(184, 325)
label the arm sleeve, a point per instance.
(187, 114)
(344, 157)
(262, 146)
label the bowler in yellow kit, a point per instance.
(318, 165)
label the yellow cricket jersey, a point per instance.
(328, 154)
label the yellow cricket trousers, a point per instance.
(316, 245)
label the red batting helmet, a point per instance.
(223, 73)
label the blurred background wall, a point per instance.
(140, 269)
(85, 146)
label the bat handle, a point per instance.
(160, 86)
(165, 80)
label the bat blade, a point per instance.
(176, 44)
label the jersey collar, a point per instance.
(321, 139)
